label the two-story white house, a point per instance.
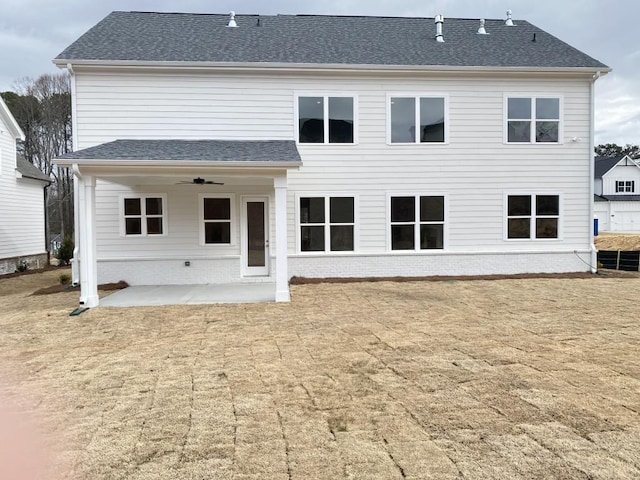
(22, 216)
(219, 149)
(617, 194)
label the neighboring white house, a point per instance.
(617, 194)
(22, 238)
(341, 147)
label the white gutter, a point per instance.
(171, 164)
(592, 162)
(297, 67)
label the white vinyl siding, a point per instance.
(21, 205)
(474, 168)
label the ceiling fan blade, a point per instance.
(211, 182)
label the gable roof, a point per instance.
(604, 164)
(10, 121)
(319, 39)
(28, 170)
(274, 152)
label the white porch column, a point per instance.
(282, 275)
(86, 229)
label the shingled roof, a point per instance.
(318, 39)
(604, 164)
(263, 151)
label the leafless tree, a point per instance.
(42, 108)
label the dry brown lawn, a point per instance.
(506, 379)
(615, 241)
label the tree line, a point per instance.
(42, 108)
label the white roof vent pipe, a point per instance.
(481, 30)
(509, 21)
(439, 20)
(232, 20)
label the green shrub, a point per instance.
(65, 279)
(65, 252)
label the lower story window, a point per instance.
(533, 216)
(417, 222)
(327, 224)
(143, 215)
(217, 220)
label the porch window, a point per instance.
(217, 220)
(327, 224)
(533, 216)
(417, 222)
(144, 215)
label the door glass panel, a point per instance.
(255, 234)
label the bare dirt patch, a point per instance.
(610, 241)
(506, 379)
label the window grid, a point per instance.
(329, 130)
(625, 186)
(330, 228)
(533, 225)
(143, 221)
(217, 230)
(416, 222)
(538, 131)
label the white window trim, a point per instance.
(416, 97)
(327, 231)
(532, 132)
(326, 96)
(416, 241)
(233, 239)
(532, 229)
(143, 214)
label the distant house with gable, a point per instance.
(22, 210)
(617, 193)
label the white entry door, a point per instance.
(255, 236)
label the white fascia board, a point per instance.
(172, 164)
(328, 68)
(10, 121)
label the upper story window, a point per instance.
(326, 119)
(625, 186)
(533, 216)
(533, 119)
(144, 215)
(417, 222)
(327, 224)
(417, 119)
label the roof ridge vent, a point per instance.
(481, 30)
(509, 21)
(439, 21)
(232, 20)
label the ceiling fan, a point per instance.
(200, 181)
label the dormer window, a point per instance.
(625, 186)
(326, 119)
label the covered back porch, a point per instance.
(181, 213)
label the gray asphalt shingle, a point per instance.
(317, 39)
(29, 170)
(192, 150)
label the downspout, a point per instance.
(592, 162)
(46, 224)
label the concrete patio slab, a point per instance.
(154, 295)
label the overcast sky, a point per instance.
(32, 32)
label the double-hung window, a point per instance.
(533, 216)
(326, 119)
(533, 119)
(144, 215)
(417, 222)
(217, 215)
(625, 186)
(417, 119)
(327, 224)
